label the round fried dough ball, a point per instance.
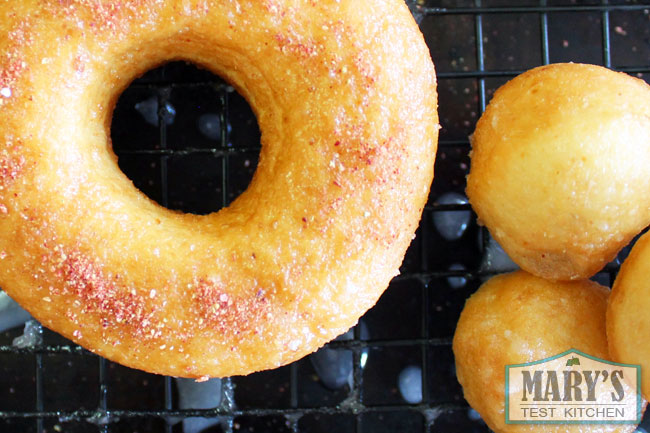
(559, 168)
(628, 321)
(518, 318)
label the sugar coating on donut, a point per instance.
(107, 15)
(13, 62)
(229, 314)
(12, 163)
(94, 291)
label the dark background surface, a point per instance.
(190, 142)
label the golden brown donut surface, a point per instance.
(559, 167)
(628, 318)
(519, 318)
(344, 93)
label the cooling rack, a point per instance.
(190, 142)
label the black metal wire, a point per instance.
(543, 21)
(355, 404)
(480, 56)
(480, 10)
(103, 391)
(39, 391)
(607, 51)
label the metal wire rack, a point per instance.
(189, 141)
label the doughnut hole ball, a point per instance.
(559, 167)
(628, 321)
(519, 318)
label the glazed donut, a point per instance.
(519, 318)
(559, 168)
(349, 135)
(628, 324)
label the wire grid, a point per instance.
(477, 45)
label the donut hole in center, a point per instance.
(185, 138)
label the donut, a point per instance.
(518, 318)
(559, 168)
(349, 134)
(628, 325)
